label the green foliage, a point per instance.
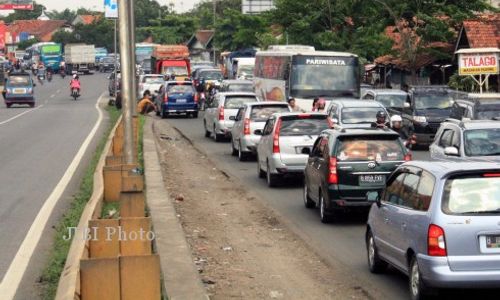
(146, 11)
(463, 83)
(100, 33)
(237, 31)
(25, 44)
(67, 15)
(25, 14)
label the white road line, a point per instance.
(18, 266)
(21, 114)
(52, 96)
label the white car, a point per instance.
(219, 116)
(151, 82)
(251, 117)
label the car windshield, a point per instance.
(472, 194)
(433, 101)
(211, 75)
(239, 87)
(153, 79)
(246, 70)
(180, 89)
(19, 80)
(108, 60)
(262, 113)
(368, 148)
(235, 102)
(488, 111)
(177, 70)
(297, 126)
(359, 115)
(482, 142)
(391, 100)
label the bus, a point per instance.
(143, 51)
(303, 73)
(49, 53)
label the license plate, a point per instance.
(19, 91)
(493, 242)
(371, 179)
(181, 100)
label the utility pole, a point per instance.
(213, 41)
(127, 59)
(116, 50)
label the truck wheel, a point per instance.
(195, 115)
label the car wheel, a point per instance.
(164, 114)
(217, 137)
(260, 173)
(375, 264)
(272, 179)
(195, 115)
(418, 289)
(8, 105)
(207, 133)
(308, 203)
(234, 151)
(323, 214)
(242, 156)
(32, 105)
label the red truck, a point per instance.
(171, 60)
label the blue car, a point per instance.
(19, 89)
(177, 97)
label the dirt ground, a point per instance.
(240, 248)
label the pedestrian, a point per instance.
(381, 120)
(145, 106)
(293, 105)
(319, 104)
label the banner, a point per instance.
(3, 30)
(16, 4)
(477, 63)
(110, 9)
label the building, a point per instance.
(43, 30)
(86, 19)
(256, 6)
(201, 45)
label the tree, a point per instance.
(25, 14)
(100, 33)
(67, 15)
(25, 44)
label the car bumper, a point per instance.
(20, 100)
(356, 199)
(179, 109)
(278, 167)
(425, 132)
(437, 273)
(224, 127)
(249, 143)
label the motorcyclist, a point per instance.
(75, 84)
(397, 126)
(381, 120)
(49, 72)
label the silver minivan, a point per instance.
(218, 119)
(439, 223)
(287, 140)
(251, 117)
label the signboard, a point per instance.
(110, 9)
(16, 4)
(256, 6)
(477, 63)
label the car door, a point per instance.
(312, 170)
(441, 142)
(265, 144)
(238, 124)
(211, 113)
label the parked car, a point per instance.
(438, 222)
(477, 107)
(287, 139)
(236, 86)
(114, 82)
(218, 119)
(177, 97)
(467, 140)
(151, 82)
(252, 116)
(106, 64)
(349, 113)
(19, 89)
(392, 100)
(345, 165)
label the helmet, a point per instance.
(396, 118)
(75, 76)
(381, 114)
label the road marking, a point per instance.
(52, 96)
(18, 266)
(21, 114)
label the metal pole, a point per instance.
(116, 50)
(132, 57)
(213, 42)
(128, 75)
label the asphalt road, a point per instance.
(36, 148)
(340, 243)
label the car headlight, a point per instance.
(419, 119)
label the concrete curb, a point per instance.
(180, 277)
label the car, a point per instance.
(177, 97)
(346, 164)
(19, 89)
(287, 139)
(438, 223)
(426, 108)
(351, 113)
(392, 100)
(114, 82)
(236, 86)
(251, 117)
(204, 76)
(477, 140)
(218, 119)
(477, 107)
(146, 66)
(150, 82)
(106, 64)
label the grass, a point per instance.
(52, 272)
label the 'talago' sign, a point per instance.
(478, 63)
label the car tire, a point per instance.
(242, 156)
(164, 114)
(32, 105)
(217, 137)
(195, 115)
(260, 173)
(8, 105)
(308, 203)
(207, 133)
(418, 289)
(375, 263)
(325, 217)
(272, 179)
(234, 151)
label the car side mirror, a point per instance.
(451, 151)
(232, 118)
(306, 151)
(373, 196)
(258, 132)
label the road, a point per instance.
(36, 148)
(339, 242)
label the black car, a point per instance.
(347, 164)
(425, 109)
(477, 107)
(106, 64)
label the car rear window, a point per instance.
(239, 88)
(482, 142)
(488, 111)
(211, 75)
(392, 100)
(235, 102)
(303, 125)
(19, 80)
(359, 115)
(181, 89)
(472, 194)
(151, 79)
(262, 113)
(368, 148)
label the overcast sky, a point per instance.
(180, 5)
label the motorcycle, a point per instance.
(75, 93)
(63, 73)
(49, 77)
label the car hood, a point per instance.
(436, 114)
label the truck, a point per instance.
(100, 53)
(243, 67)
(143, 51)
(80, 58)
(51, 56)
(171, 60)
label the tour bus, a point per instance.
(303, 73)
(49, 53)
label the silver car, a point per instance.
(251, 117)
(218, 119)
(287, 140)
(439, 223)
(150, 82)
(349, 113)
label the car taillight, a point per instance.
(491, 175)
(332, 171)
(196, 98)
(436, 244)
(221, 113)
(165, 99)
(408, 157)
(276, 138)
(246, 127)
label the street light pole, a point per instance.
(213, 42)
(125, 14)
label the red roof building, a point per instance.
(481, 32)
(40, 29)
(86, 19)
